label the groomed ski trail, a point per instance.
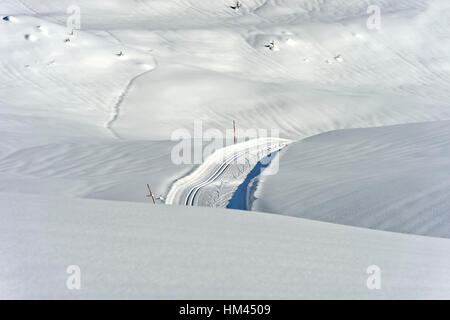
(217, 174)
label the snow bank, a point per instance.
(130, 250)
(392, 178)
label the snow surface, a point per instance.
(394, 178)
(367, 112)
(132, 250)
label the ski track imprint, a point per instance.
(117, 107)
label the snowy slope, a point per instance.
(205, 50)
(215, 181)
(80, 120)
(194, 60)
(77, 83)
(392, 178)
(386, 77)
(130, 250)
(102, 169)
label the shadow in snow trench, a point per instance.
(243, 197)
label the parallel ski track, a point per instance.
(198, 183)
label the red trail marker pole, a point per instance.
(234, 130)
(151, 194)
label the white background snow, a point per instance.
(84, 129)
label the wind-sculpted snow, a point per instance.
(133, 250)
(364, 106)
(102, 169)
(392, 178)
(76, 80)
(209, 63)
(330, 71)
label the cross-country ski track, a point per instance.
(219, 176)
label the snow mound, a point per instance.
(392, 178)
(129, 250)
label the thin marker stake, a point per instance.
(151, 194)
(234, 130)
